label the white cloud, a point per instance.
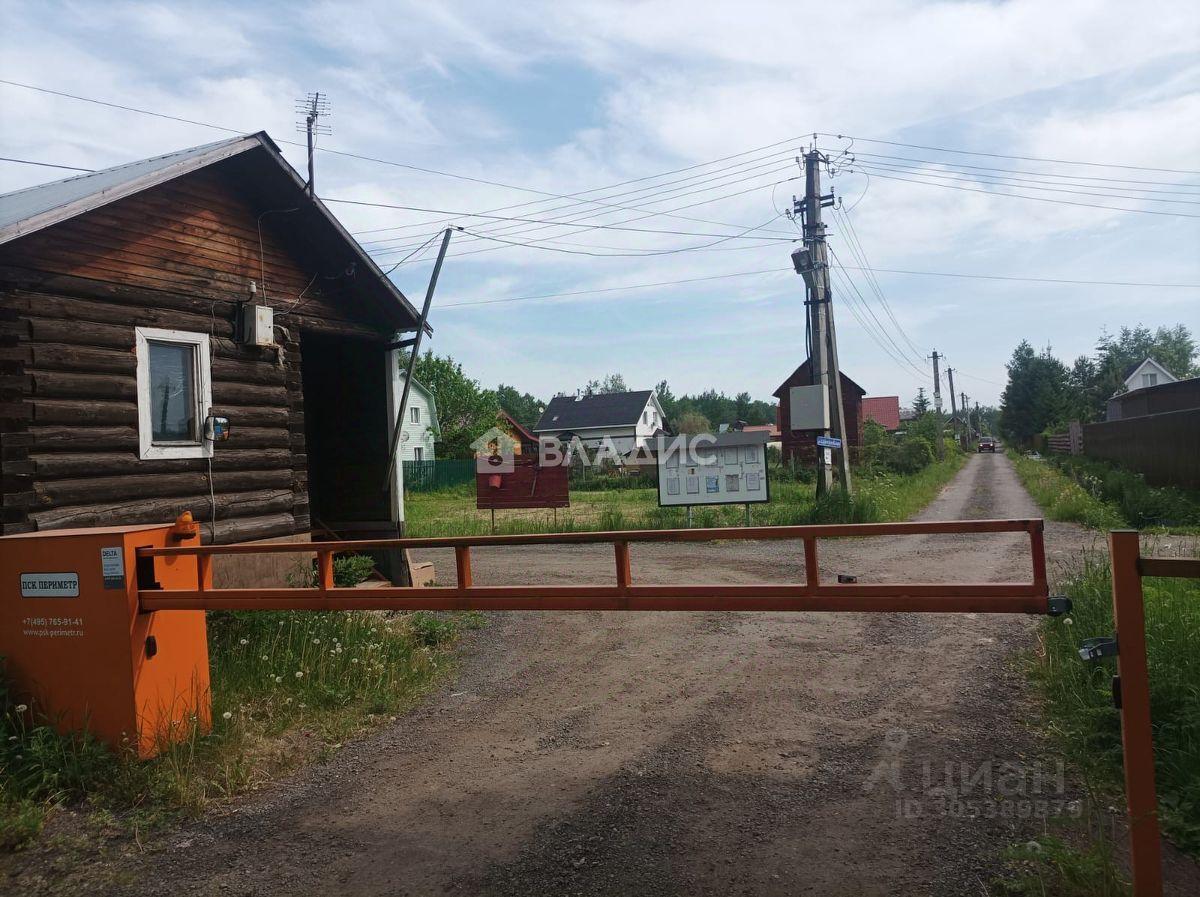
(668, 84)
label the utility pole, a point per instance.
(979, 419)
(812, 263)
(313, 107)
(940, 448)
(967, 420)
(953, 409)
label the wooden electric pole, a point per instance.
(967, 435)
(812, 263)
(953, 407)
(940, 447)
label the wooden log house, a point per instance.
(119, 303)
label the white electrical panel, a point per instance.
(256, 325)
(725, 469)
(808, 408)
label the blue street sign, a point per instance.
(829, 442)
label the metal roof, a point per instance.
(26, 211)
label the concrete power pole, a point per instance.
(967, 419)
(958, 437)
(812, 263)
(940, 448)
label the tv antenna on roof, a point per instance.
(313, 107)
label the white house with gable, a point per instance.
(420, 430)
(1146, 374)
(631, 420)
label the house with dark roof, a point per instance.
(630, 420)
(143, 304)
(802, 444)
(1145, 374)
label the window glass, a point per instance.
(415, 414)
(173, 392)
(418, 452)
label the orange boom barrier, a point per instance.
(105, 627)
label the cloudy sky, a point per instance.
(679, 123)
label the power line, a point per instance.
(46, 164)
(1001, 181)
(703, 178)
(942, 149)
(667, 283)
(638, 254)
(576, 227)
(1081, 179)
(1065, 202)
(344, 153)
(461, 214)
(436, 234)
(980, 379)
(879, 330)
(570, 219)
(860, 255)
(631, 286)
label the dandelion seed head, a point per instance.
(244, 641)
(299, 674)
(227, 715)
(21, 708)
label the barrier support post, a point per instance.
(324, 570)
(812, 571)
(1136, 734)
(462, 566)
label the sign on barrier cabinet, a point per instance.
(80, 650)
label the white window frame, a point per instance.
(418, 453)
(147, 449)
(414, 414)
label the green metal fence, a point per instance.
(429, 476)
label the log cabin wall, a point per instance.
(175, 256)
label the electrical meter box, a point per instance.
(79, 651)
(256, 325)
(808, 408)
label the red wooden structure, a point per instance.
(526, 485)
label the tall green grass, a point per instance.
(287, 686)
(1080, 710)
(1062, 498)
(1143, 505)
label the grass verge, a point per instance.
(1062, 498)
(1079, 708)
(878, 497)
(288, 688)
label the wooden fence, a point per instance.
(1165, 448)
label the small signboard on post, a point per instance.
(829, 442)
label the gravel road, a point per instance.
(659, 754)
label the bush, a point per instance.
(1141, 504)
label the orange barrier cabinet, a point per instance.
(78, 649)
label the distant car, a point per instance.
(987, 444)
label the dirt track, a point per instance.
(604, 754)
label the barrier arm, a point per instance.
(1030, 597)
